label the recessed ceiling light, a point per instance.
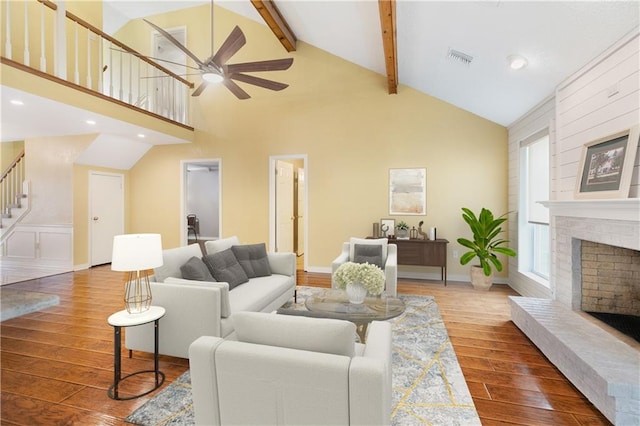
(91, 122)
(517, 62)
(141, 135)
(16, 102)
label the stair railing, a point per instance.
(42, 36)
(11, 185)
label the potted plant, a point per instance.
(403, 229)
(485, 246)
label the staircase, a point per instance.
(14, 195)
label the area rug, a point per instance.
(428, 385)
(15, 303)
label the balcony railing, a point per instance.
(42, 36)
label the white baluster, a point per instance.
(43, 58)
(130, 79)
(89, 83)
(60, 43)
(26, 34)
(76, 74)
(100, 64)
(7, 44)
(111, 69)
(120, 93)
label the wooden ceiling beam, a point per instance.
(389, 43)
(271, 15)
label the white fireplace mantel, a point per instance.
(615, 209)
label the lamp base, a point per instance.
(137, 293)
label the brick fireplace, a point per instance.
(610, 279)
(600, 362)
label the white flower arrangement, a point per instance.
(370, 276)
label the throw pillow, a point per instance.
(253, 259)
(372, 254)
(215, 246)
(173, 259)
(382, 242)
(225, 268)
(195, 269)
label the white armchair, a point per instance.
(389, 254)
(290, 370)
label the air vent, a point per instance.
(458, 56)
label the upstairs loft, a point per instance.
(75, 79)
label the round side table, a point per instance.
(125, 319)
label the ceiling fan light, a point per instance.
(517, 62)
(211, 77)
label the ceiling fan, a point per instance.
(215, 68)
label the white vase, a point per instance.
(356, 292)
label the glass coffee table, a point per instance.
(332, 303)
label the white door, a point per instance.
(284, 206)
(106, 214)
(301, 213)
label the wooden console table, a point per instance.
(423, 253)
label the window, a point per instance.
(534, 248)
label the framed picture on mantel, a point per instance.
(408, 191)
(606, 166)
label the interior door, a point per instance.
(106, 214)
(284, 206)
(301, 213)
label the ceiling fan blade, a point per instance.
(230, 47)
(176, 43)
(200, 89)
(261, 82)
(155, 59)
(271, 65)
(235, 89)
(167, 76)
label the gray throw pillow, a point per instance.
(366, 253)
(253, 259)
(195, 269)
(225, 268)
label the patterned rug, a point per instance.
(428, 385)
(15, 303)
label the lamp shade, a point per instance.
(136, 252)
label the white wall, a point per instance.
(587, 110)
(600, 99)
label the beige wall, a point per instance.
(353, 132)
(8, 153)
(49, 167)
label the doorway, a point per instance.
(106, 214)
(201, 196)
(288, 201)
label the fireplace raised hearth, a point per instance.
(600, 361)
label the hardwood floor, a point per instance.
(57, 364)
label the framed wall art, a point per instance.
(408, 191)
(606, 166)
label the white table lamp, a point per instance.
(135, 254)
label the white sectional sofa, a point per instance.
(202, 308)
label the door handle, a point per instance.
(95, 218)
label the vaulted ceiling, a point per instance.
(410, 41)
